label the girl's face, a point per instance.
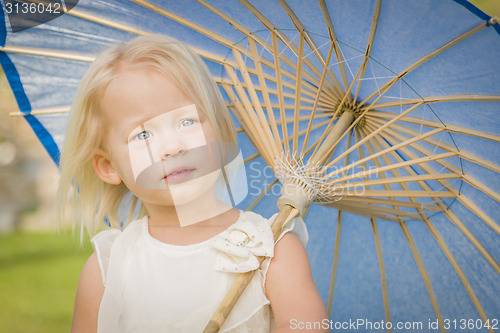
(159, 144)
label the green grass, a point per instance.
(38, 278)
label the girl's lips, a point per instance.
(179, 175)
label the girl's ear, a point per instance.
(104, 169)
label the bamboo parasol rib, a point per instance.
(466, 232)
(335, 45)
(433, 230)
(426, 58)
(467, 203)
(408, 237)
(435, 99)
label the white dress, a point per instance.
(151, 286)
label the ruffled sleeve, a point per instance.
(297, 227)
(102, 243)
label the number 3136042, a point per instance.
(470, 324)
(32, 8)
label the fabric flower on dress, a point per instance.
(241, 244)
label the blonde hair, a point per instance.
(92, 199)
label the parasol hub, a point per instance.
(351, 106)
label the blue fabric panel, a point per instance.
(44, 137)
(408, 296)
(322, 229)
(358, 291)
(24, 105)
(453, 300)
(3, 29)
(472, 264)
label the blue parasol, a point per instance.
(383, 111)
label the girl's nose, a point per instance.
(179, 152)
(172, 146)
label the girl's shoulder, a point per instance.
(106, 238)
(103, 242)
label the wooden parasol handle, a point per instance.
(286, 213)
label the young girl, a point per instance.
(149, 129)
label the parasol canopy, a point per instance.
(383, 113)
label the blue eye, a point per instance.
(143, 135)
(187, 122)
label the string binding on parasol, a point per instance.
(303, 183)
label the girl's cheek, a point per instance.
(139, 156)
(195, 137)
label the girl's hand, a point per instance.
(290, 287)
